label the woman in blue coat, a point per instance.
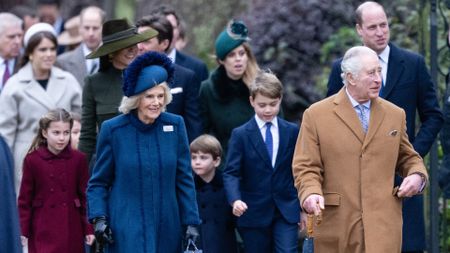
(141, 195)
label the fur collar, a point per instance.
(225, 88)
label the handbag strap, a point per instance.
(191, 242)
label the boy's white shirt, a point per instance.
(275, 134)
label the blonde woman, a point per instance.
(141, 194)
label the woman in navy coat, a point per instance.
(141, 192)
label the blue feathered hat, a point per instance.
(147, 71)
(233, 36)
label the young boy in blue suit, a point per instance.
(258, 175)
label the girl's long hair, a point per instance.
(54, 115)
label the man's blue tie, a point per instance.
(269, 140)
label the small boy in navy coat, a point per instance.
(218, 223)
(258, 175)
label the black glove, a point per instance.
(192, 233)
(103, 233)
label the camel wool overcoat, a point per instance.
(354, 172)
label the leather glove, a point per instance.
(103, 233)
(192, 233)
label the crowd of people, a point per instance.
(114, 140)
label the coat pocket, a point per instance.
(332, 199)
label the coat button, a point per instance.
(52, 190)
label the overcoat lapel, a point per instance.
(376, 118)
(16, 65)
(54, 88)
(78, 62)
(254, 135)
(54, 93)
(347, 114)
(36, 92)
(34, 89)
(394, 71)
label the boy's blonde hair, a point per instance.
(266, 84)
(207, 144)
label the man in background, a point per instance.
(11, 34)
(406, 83)
(182, 59)
(27, 14)
(49, 12)
(91, 20)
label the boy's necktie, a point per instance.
(269, 140)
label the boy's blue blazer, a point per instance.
(250, 177)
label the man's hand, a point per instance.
(314, 203)
(410, 186)
(239, 208)
(303, 220)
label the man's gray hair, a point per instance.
(7, 20)
(351, 63)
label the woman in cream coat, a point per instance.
(37, 88)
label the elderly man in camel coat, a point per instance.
(349, 148)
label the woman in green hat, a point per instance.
(224, 97)
(102, 92)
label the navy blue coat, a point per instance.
(185, 100)
(194, 64)
(9, 218)
(217, 229)
(409, 86)
(250, 177)
(142, 182)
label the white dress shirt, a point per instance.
(275, 135)
(89, 62)
(172, 55)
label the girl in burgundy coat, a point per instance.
(52, 200)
